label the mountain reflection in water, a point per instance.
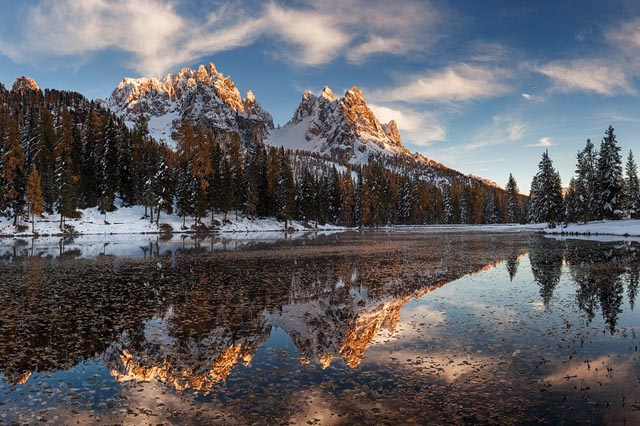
(188, 318)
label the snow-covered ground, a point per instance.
(131, 220)
(496, 228)
(611, 229)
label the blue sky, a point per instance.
(481, 86)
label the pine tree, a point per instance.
(347, 200)
(407, 200)
(546, 192)
(35, 200)
(610, 179)
(286, 189)
(335, 196)
(65, 181)
(187, 185)
(447, 204)
(513, 205)
(632, 185)
(45, 153)
(571, 209)
(14, 176)
(586, 183)
(491, 212)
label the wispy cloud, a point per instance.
(462, 82)
(542, 142)
(503, 128)
(626, 35)
(527, 96)
(419, 128)
(595, 76)
(160, 36)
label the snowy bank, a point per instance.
(613, 229)
(131, 220)
(489, 228)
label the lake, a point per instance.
(378, 327)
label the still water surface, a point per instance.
(370, 328)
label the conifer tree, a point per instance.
(334, 195)
(571, 210)
(286, 189)
(586, 183)
(65, 180)
(513, 205)
(632, 185)
(610, 178)
(35, 200)
(491, 213)
(215, 190)
(45, 155)
(546, 192)
(347, 200)
(14, 176)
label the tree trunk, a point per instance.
(61, 222)
(151, 215)
(157, 216)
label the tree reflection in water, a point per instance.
(188, 318)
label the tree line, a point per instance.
(61, 153)
(600, 189)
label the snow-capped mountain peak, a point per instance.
(344, 127)
(203, 96)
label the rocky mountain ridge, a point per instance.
(345, 128)
(200, 97)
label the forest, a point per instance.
(600, 189)
(61, 153)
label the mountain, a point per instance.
(200, 97)
(345, 128)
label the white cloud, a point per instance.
(625, 36)
(419, 128)
(160, 36)
(527, 96)
(317, 36)
(594, 76)
(542, 142)
(504, 128)
(516, 130)
(462, 82)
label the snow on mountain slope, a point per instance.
(200, 97)
(345, 128)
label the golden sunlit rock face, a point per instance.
(24, 84)
(200, 97)
(182, 377)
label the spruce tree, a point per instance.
(513, 205)
(546, 192)
(286, 189)
(35, 200)
(571, 204)
(65, 181)
(632, 186)
(610, 178)
(586, 183)
(14, 175)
